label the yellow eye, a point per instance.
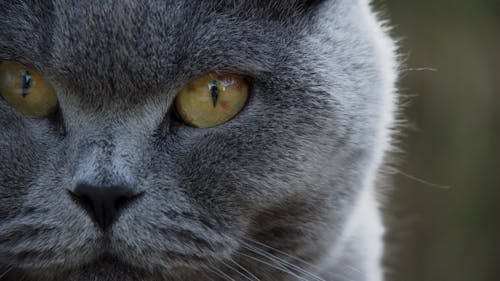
(212, 99)
(26, 90)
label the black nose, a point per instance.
(103, 203)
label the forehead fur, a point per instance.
(76, 41)
(30, 23)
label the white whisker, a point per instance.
(275, 266)
(232, 268)
(282, 262)
(221, 274)
(6, 271)
(244, 269)
(280, 252)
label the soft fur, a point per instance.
(293, 171)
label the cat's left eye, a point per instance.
(26, 90)
(212, 100)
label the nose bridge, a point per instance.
(104, 158)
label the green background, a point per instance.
(450, 94)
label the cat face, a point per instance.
(285, 171)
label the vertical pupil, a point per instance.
(214, 91)
(26, 77)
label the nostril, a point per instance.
(103, 203)
(121, 202)
(85, 202)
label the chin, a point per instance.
(104, 268)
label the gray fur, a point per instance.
(288, 171)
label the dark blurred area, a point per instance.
(447, 229)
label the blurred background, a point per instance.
(447, 229)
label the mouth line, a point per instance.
(109, 260)
(107, 257)
(113, 262)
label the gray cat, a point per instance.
(104, 176)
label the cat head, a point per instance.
(285, 171)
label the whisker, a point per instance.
(221, 274)
(237, 271)
(278, 267)
(207, 276)
(354, 269)
(424, 182)
(6, 271)
(431, 69)
(244, 269)
(283, 262)
(280, 252)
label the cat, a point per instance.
(113, 183)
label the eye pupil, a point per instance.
(26, 77)
(214, 91)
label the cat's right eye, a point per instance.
(26, 90)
